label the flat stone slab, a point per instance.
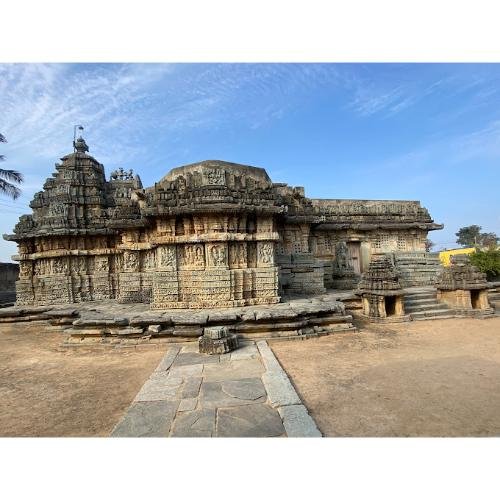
(248, 389)
(187, 404)
(191, 387)
(192, 358)
(197, 423)
(249, 351)
(233, 370)
(298, 422)
(184, 371)
(161, 387)
(147, 419)
(213, 396)
(256, 420)
(168, 359)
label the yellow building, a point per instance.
(445, 255)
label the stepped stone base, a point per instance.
(417, 268)
(217, 341)
(112, 324)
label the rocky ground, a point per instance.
(429, 378)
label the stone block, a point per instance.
(279, 389)
(298, 422)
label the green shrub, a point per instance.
(487, 261)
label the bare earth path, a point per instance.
(49, 391)
(429, 378)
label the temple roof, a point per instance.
(256, 173)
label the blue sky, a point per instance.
(428, 132)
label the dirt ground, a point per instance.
(426, 378)
(46, 390)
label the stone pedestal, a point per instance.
(217, 340)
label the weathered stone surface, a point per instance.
(168, 359)
(248, 389)
(184, 371)
(298, 422)
(248, 351)
(212, 395)
(208, 235)
(160, 387)
(256, 420)
(196, 423)
(268, 357)
(246, 368)
(191, 387)
(192, 358)
(279, 389)
(187, 404)
(147, 419)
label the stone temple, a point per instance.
(209, 235)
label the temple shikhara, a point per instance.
(208, 235)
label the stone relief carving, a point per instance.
(217, 255)
(101, 264)
(60, 266)
(25, 269)
(167, 257)
(266, 253)
(192, 256)
(131, 261)
(216, 177)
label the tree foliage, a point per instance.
(471, 236)
(487, 261)
(468, 236)
(8, 178)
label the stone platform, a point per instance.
(242, 394)
(113, 324)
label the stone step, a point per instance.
(421, 296)
(436, 313)
(419, 301)
(425, 307)
(428, 318)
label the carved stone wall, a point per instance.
(210, 234)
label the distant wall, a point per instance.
(445, 255)
(8, 277)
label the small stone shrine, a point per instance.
(217, 340)
(463, 287)
(381, 292)
(208, 235)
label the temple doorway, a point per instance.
(354, 255)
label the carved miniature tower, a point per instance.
(381, 292)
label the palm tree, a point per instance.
(7, 177)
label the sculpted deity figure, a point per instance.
(131, 261)
(167, 257)
(266, 253)
(218, 255)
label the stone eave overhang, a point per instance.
(162, 211)
(372, 226)
(60, 232)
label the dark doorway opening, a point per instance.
(474, 299)
(390, 306)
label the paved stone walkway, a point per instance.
(245, 393)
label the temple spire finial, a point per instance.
(79, 144)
